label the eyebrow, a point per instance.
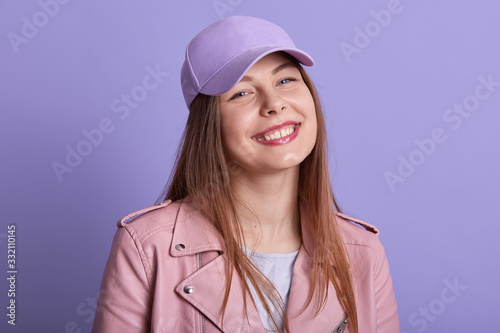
(275, 71)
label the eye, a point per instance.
(288, 79)
(239, 94)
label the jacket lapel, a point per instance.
(302, 320)
(208, 285)
(195, 235)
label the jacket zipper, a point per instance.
(203, 329)
(341, 327)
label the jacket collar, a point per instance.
(193, 233)
(198, 235)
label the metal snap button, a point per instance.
(180, 247)
(188, 289)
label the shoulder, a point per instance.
(357, 232)
(362, 243)
(151, 220)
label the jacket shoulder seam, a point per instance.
(368, 246)
(135, 221)
(132, 216)
(145, 263)
(357, 222)
(144, 237)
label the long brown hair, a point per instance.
(202, 171)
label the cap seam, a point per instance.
(191, 70)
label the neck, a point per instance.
(267, 209)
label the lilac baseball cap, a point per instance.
(220, 55)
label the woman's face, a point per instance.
(268, 119)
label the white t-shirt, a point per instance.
(278, 268)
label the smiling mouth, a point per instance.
(278, 134)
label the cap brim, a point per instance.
(231, 73)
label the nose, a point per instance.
(272, 103)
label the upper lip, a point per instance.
(286, 123)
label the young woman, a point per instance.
(248, 237)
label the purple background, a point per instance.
(439, 227)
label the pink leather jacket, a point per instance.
(165, 273)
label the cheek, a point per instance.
(228, 123)
(235, 123)
(226, 133)
(313, 121)
(315, 135)
(311, 112)
(305, 99)
(233, 132)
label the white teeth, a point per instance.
(278, 134)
